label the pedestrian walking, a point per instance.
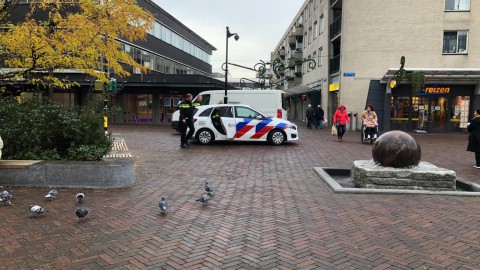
(186, 120)
(474, 138)
(341, 118)
(310, 114)
(319, 114)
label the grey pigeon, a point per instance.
(6, 199)
(5, 196)
(5, 193)
(37, 209)
(80, 197)
(208, 188)
(163, 205)
(81, 213)
(204, 199)
(52, 194)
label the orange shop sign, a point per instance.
(435, 90)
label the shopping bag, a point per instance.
(325, 120)
(334, 130)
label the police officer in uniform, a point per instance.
(198, 101)
(186, 120)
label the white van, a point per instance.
(269, 102)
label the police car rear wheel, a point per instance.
(277, 137)
(205, 136)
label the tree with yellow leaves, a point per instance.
(71, 34)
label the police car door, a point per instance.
(228, 121)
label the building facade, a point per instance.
(357, 47)
(178, 61)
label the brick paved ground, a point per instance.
(269, 212)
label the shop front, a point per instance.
(436, 108)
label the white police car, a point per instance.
(239, 122)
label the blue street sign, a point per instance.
(351, 74)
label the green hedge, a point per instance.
(39, 129)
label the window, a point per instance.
(320, 57)
(226, 112)
(314, 57)
(455, 41)
(310, 35)
(305, 40)
(244, 112)
(315, 30)
(310, 8)
(206, 113)
(320, 26)
(316, 3)
(457, 5)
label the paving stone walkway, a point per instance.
(269, 211)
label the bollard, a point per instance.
(1, 147)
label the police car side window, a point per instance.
(243, 112)
(226, 112)
(206, 113)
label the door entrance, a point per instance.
(438, 113)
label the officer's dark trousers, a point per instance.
(183, 129)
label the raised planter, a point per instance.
(116, 170)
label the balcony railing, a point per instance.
(298, 32)
(336, 27)
(298, 55)
(335, 64)
(292, 41)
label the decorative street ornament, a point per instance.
(277, 67)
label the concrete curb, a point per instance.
(337, 188)
(115, 170)
(107, 173)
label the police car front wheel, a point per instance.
(205, 136)
(277, 137)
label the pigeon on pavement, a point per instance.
(208, 188)
(80, 197)
(37, 209)
(6, 199)
(204, 199)
(5, 193)
(5, 196)
(52, 193)
(163, 205)
(81, 213)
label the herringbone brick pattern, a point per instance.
(269, 211)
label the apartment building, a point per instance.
(357, 46)
(178, 60)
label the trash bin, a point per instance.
(353, 121)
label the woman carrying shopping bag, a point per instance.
(340, 119)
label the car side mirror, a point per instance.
(259, 117)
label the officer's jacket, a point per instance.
(186, 110)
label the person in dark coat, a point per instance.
(310, 114)
(319, 114)
(474, 138)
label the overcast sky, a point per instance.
(259, 23)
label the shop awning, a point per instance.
(301, 89)
(441, 75)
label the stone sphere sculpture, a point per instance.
(396, 149)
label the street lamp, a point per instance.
(225, 99)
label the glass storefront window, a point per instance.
(460, 112)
